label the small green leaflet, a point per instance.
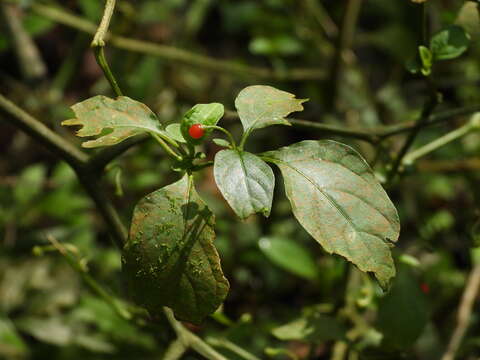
(449, 43)
(169, 259)
(337, 199)
(114, 120)
(204, 114)
(260, 106)
(173, 130)
(245, 181)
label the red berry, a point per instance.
(425, 288)
(196, 131)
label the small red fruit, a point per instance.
(425, 288)
(196, 131)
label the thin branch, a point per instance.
(99, 38)
(464, 313)
(175, 350)
(420, 123)
(78, 160)
(53, 142)
(222, 342)
(175, 55)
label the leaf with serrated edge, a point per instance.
(260, 106)
(122, 116)
(245, 181)
(169, 259)
(337, 199)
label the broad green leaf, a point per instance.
(173, 130)
(290, 256)
(260, 106)
(169, 259)
(449, 43)
(204, 114)
(315, 328)
(403, 312)
(245, 181)
(337, 199)
(112, 120)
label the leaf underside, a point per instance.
(260, 106)
(169, 259)
(113, 119)
(337, 199)
(245, 181)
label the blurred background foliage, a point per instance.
(288, 298)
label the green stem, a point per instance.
(98, 43)
(245, 136)
(102, 62)
(225, 131)
(411, 157)
(191, 340)
(232, 347)
(165, 147)
(175, 350)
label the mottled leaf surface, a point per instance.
(112, 120)
(245, 181)
(337, 199)
(169, 259)
(260, 106)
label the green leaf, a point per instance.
(403, 312)
(245, 181)
(221, 142)
(204, 114)
(290, 256)
(30, 183)
(260, 106)
(173, 130)
(11, 343)
(169, 259)
(449, 43)
(315, 328)
(114, 120)
(337, 199)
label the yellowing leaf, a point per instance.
(260, 106)
(114, 120)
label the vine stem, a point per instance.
(98, 44)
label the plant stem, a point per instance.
(464, 313)
(225, 131)
(167, 148)
(98, 43)
(99, 38)
(175, 350)
(176, 55)
(411, 157)
(191, 340)
(102, 62)
(37, 130)
(232, 347)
